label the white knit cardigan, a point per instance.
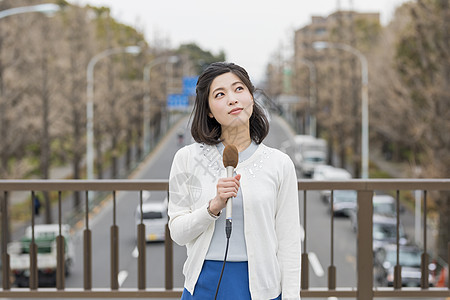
(271, 215)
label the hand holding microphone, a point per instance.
(227, 187)
(230, 161)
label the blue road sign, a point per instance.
(177, 101)
(189, 84)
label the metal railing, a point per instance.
(364, 289)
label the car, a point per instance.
(291, 147)
(299, 140)
(45, 239)
(343, 202)
(311, 159)
(383, 205)
(327, 172)
(308, 152)
(409, 260)
(385, 232)
(154, 217)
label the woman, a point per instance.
(263, 260)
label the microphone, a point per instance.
(230, 161)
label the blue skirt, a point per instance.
(234, 284)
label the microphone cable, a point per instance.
(230, 161)
(228, 233)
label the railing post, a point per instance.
(332, 267)
(61, 250)
(169, 260)
(87, 250)
(33, 280)
(304, 284)
(114, 244)
(364, 246)
(141, 248)
(397, 267)
(60, 261)
(424, 284)
(142, 256)
(6, 284)
(114, 257)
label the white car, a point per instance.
(344, 201)
(384, 205)
(310, 160)
(329, 173)
(154, 217)
(45, 238)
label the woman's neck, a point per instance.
(236, 136)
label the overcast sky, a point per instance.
(249, 31)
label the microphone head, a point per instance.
(230, 156)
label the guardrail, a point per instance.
(363, 291)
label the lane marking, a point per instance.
(135, 252)
(315, 264)
(121, 277)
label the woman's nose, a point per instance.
(232, 100)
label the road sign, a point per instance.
(177, 101)
(189, 84)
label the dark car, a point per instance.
(409, 260)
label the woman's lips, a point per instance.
(235, 111)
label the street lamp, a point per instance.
(364, 101)
(312, 96)
(90, 102)
(146, 118)
(46, 8)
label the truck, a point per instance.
(310, 152)
(45, 238)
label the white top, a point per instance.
(237, 250)
(271, 216)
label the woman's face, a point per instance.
(230, 101)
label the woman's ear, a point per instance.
(210, 115)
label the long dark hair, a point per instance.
(207, 130)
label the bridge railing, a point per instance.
(364, 289)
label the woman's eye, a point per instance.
(239, 88)
(219, 95)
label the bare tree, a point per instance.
(13, 134)
(77, 49)
(411, 100)
(44, 78)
